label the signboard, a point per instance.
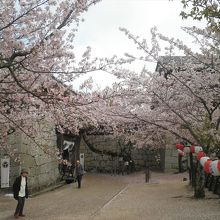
(5, 168)
(68, 145)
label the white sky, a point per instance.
(102, 21)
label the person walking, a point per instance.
(20, 191)
(79, 173)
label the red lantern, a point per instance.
(199, 155)
(180, 152)
(186, 150)
(198, 149)
(192, 149)
(215, 168)
(206, 166)
(203, 160)
(180, 146)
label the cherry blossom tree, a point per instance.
(180, 99)
(203, 9)
(38, 64)
(182, 96)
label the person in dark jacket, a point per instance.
(20, 191)
(79, 173)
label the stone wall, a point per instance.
(97, 162)
(15, 142)
(171, 154)
(103, 163)
(38, 156)
(171, 160)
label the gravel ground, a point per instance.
(103, 197)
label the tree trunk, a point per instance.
(199, 189)
(180, 163)
(147, 174)
(191, 170)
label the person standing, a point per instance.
(20, 191)
(126, 164)
(121, 166)
(79, 173)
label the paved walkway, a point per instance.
(105, 197)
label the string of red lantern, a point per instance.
(209, 166)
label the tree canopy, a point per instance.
(181, 98)
(38, 64)
(203, 9)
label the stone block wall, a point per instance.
(98, 162)
(153, 158)
(38, 156)
(171, 160)
(15, 142)
(103, 163)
